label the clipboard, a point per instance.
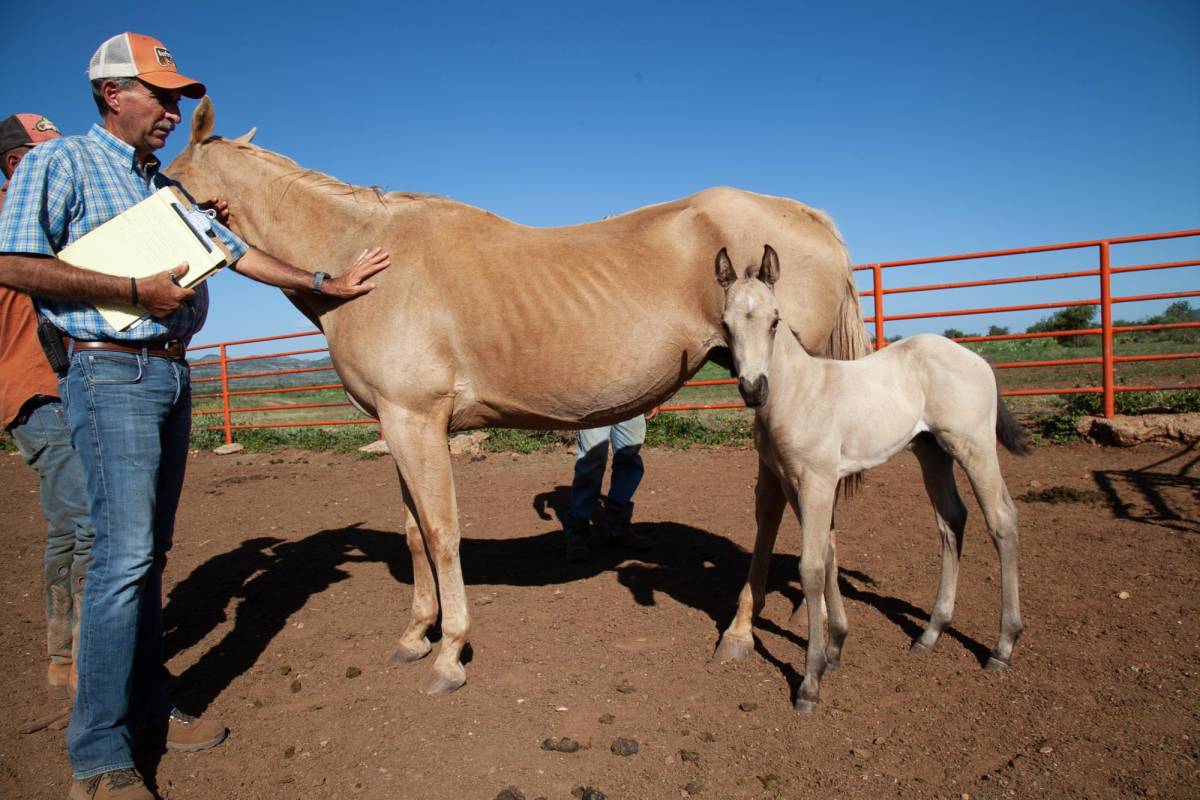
(159, 233)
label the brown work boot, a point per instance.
(120, 784)
(59, 679)
(187, 734)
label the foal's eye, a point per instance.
(774, 324)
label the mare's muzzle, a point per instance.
(753, 393)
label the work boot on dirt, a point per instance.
(577, 534)
(187, 734)
(618, 527)
(120, 784)
(59, 679)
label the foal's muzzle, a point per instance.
(753, 393)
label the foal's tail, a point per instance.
(1008, 430)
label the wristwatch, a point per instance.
(318, 279)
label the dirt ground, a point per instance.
(288, 587)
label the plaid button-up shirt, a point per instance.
(67, 187)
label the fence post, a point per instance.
(877, 287)
(225, 412)
(1106, 331)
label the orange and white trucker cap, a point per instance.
(134, 55)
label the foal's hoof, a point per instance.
(732, 648)
(443, 682)
(995, 664)
(406, 654)
(919, 649)
(806, 706)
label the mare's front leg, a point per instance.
(414, 644)
(418, 443)
(738, 639)
(815, 499)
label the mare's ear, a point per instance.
(202, 121)
(725, 273)
(247, 137)
(768, 272)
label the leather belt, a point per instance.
(172, 349)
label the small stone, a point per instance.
(285, 670)
(289, 752)
(567, 745)
(1123, 595)
(484, 601)
(879, 740)
(587, 793)
(229, 449)
(550, 744)
(693, 788)
(561, 709)
(769, 782)
(689, 756)
(965, 796)
(1046, 750)
(378, 447)
(624, 747)
(353, 672)
(748, 707)
(607, 719)
(510, 793)
(295, 687)
(625, 687)
(859, 752)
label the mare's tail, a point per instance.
(1008, 430)
(848, 341)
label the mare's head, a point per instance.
(194, 166)
(750, 321)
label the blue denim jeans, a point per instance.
(44, 441)
(627, 469)
(130, 415)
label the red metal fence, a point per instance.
(226, 382)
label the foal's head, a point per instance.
(750, 320)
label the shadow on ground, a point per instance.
(1142, 495)
(271, 579)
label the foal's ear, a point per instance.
(768, 272)
(725, 273)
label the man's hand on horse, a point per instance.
(355, 280)
(160, 294)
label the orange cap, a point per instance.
(26, 130)
(135, 55)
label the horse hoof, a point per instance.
(439, 683)
(732, 648)
(406, 655)
(919, 649)
(995, 665)
(806, 706)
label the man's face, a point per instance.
(147, 116)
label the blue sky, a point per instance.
(924, 128)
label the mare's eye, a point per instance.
(774, 324)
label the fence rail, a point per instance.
(1107, 361)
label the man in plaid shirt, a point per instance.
(127, 395)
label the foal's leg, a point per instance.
(414, 644)
(838, 625)
(1001, 514)
(937, 468)
(418, 443)
(738, 640)
(816, 495)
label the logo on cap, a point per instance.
(45, 126)
(164, 57)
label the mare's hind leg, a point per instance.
(937, 468)
(414, 644)
(418, 443)
(738, 640)
(983, 468)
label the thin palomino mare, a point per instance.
(480, 321)
(817, 421)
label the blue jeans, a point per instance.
(130, 415)
(627, 469)
(44, 441)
